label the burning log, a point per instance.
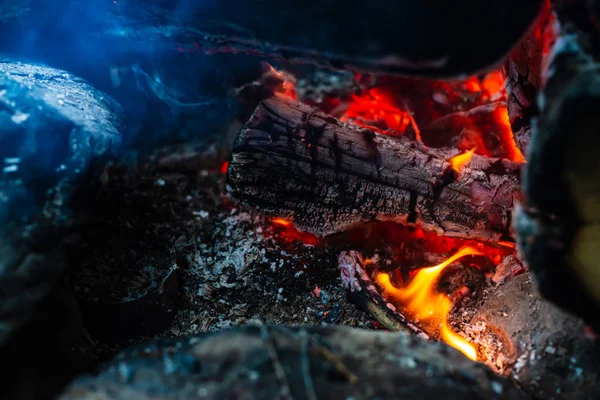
(523, 70)
(293, 162)
(293, 363)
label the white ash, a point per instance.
(240, 272)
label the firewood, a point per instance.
(523, 70)
(559, 224)
(293, 162)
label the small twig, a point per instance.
(279, 371)
(337, 363)
(362, 292)
(413, 123)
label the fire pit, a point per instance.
(360, 214)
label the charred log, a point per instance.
(293, 162)
(523, 70)
(559, 225)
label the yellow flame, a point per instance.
(282, 221)
(458, 162)
(420, 301)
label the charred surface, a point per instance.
(558, 226)
(291, 161)
(294, 363)
(523, 71)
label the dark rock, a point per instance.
(543, 348)
(52, 126)
(293, 363)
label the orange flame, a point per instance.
(420, 301)
(281, 81)
(457, 163)
(285, 229)
(282, 221)
(514, 153)
(273, 71)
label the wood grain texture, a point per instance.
(293, 162)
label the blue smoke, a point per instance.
(123, 48)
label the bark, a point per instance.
(293, 363)
(293, 162)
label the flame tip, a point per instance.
(422, 302)
(458, 162)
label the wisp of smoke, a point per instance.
(166, 95)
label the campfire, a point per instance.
(450, 140)
(365, 218)
(417, 179)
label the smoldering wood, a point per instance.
(517, 332)
(543, 348)
(523, 69)
(558, 223)
(293, 363)
(293, 162)
(453, 39)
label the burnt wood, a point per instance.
(291, 161)
(559, 225)
(523, 69)
(543, 348)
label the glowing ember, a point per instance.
(500, 115)
(224, 167)
(281, 81)
(374, 108)
(457, 163)
(464, 114)
(284, 229)
(493, 83)
(420, 301)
